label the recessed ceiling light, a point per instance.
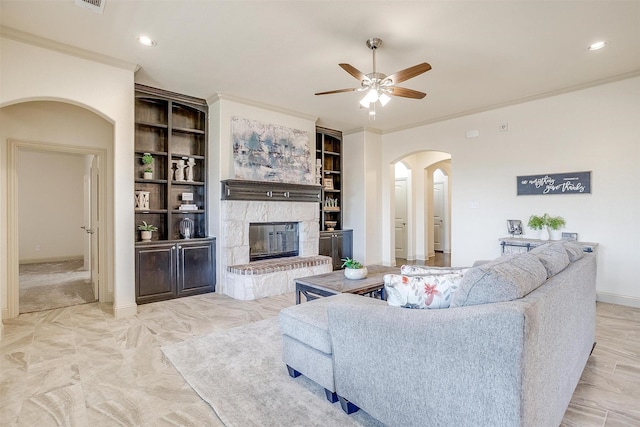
(146, 41)
(597, 45)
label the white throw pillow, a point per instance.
(433, 291)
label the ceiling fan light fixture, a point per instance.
(384, 99)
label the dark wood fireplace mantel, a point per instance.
(238, 189)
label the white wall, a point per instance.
(363, 194)
(32, 73)
(50, 205)
(594, 129)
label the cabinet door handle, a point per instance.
(286, 194)
(269, 193)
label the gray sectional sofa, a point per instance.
(508, 352)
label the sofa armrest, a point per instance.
(405, 366)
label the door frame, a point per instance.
(14, 146)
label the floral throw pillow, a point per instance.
(434, 291)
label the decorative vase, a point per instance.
(145, 235)
(555, 234)
(355, 273)
(544, 233)
(147, 175)
(186, 228)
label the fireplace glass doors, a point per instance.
(269, 240)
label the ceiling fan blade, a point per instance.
(337, 91)
(408, 73)
(354, 71)
(406, 93)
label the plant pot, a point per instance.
(145, 235)
(355, 273)
(555, 234)
(147, 175)
(544, 233)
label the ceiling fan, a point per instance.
(379, 86)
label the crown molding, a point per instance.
(226, 97)
(32, 39)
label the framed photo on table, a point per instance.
(328, 183)
(570, 236)
(514, 227)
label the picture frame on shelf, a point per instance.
(328, 183)
(570, 236)
(514, 227)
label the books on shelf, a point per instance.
(188, 207)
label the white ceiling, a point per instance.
(483, 53)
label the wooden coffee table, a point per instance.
(324, 285)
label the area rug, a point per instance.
(240, 374)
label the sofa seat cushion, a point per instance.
(308, 322)
(427, 291)
(505, 279)
(553, 256)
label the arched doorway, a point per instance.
(52, 128)
(421, 189)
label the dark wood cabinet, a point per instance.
(196, 271)
(174, 269)
(337, 245)
(172, 195)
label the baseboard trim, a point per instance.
(618, 299)
(125, 311)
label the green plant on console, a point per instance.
(351, 263)
(556, 222)
(147, 227)
(537, 222)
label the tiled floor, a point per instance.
(80, 366)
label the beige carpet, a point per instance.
(45, 286)
(240, 373)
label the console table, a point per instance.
(515, 244)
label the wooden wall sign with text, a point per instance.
(555, 183)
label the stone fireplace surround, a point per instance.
(245, 280)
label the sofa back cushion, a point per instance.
(574, 250)
(553, 256)
(504, 279)
(427, 270)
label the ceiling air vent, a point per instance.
(96, 6)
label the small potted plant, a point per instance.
(146, 230)
(555, 223)
(537, 222)
(147, 159)
(353, 269)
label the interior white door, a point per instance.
(401, 218)
(438, 216)
(95, 226)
